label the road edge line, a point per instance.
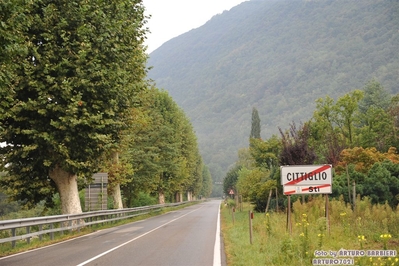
(217, 260)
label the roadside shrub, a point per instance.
(144, 199)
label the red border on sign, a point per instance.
(318, 170)
(293, 191)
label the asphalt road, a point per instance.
(186, 237)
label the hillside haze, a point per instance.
(277, 56)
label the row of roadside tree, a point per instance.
(75, 100)
(356, 133)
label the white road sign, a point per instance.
(306, 179)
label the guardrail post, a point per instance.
(28, 231)
(14, 233)
(62, 231)
(40, 229)
(52, 233)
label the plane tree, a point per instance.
(163, 151)
(170, 163)
(79, 68)
(10, 42)
(181, 163)
(206, 188)
(142, 149)
(193, 164)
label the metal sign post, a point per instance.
(306, 179)
(289, 224)
(327, 214)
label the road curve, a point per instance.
(189, 236)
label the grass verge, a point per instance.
(367, 229)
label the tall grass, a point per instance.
(368, 227)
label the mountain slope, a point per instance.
(277, 56)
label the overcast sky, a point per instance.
(171, 18)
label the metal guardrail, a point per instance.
(39, 226)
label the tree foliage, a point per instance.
(163, 150)
(346, 109)
(360, 146)
(375, 96)
(264, 153)
(295, 147)
(363, 159)
(254, 185)
(230, 181)
(79, 68)
(375, 121)
(380, 182)
(206, 188)
(13, 21)
(255, 124)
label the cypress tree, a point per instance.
(255, 126)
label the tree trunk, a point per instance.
(179, 197)
(268, 200)
(67, 186)
(117, 197)
(116, 188)
(161, 197)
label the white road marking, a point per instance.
(217, 260)
(128, 230)
(131, 240)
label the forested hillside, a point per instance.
(277, 56)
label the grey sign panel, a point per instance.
(96, 196)
(100, 178)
